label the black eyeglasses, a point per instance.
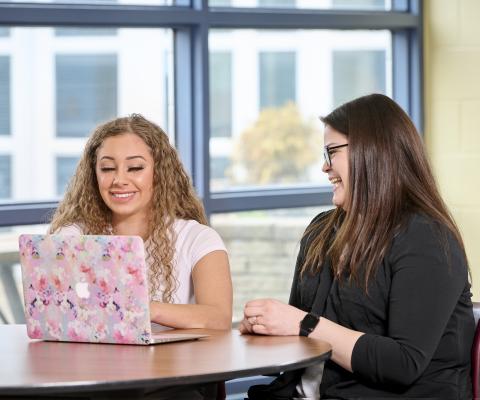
(327, 150)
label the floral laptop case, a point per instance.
(85, 288)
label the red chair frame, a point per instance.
(476, 353)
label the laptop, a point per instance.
(88, 288)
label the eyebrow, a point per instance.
(128, 158)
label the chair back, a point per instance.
(476, 353)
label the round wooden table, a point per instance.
(31, 367)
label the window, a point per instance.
(276, 3)
(220, 3)
(109, 2)
(308, 4)
(4, 95)
(64, 86)
(249, 135)
(361, 4)
(65, 168)
(277, 78)
(221, 94)
(85, 32)
(86, 92)
(219, 168)
(5, 177)
(356, 73)
(278, 89)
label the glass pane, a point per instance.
(221, 92)
(11, 292)
(5, 177)
(65, 169)
(267, 89)
(220, 3)
(276, 70)
(277, 3)
(4, 95)
(86, 92)
(64, 86)
(356, 72)
(362, 4)
(85, 31)
(312, 4)
(109, 2)
(4, 31)
(262, 247)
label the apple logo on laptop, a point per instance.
(82, 290)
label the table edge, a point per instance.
(163, 383)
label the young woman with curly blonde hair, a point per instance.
(130, 181)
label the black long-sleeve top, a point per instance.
(417, 318)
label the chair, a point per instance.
(476, 353)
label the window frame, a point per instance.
(191, 25)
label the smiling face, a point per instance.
(124, 172)
(338, 171)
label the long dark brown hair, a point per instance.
(173, 197)
(389, 179)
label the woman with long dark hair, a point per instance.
(383, 277)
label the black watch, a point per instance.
(308, 324)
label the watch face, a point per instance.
(308, 324)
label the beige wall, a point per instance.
(452, 113)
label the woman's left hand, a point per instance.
(271, 317)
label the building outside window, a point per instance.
(276, 3)
(65, 168)
(85, 31)
(67, 84)
(362, 4)
(220, 3)
(4, 95)
(221, 94)
(110, 2)
(86, 92)
(278, 88)
(358, 72)
(5, 177)
(277, 78)
(308, 4)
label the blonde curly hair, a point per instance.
(173, 197)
